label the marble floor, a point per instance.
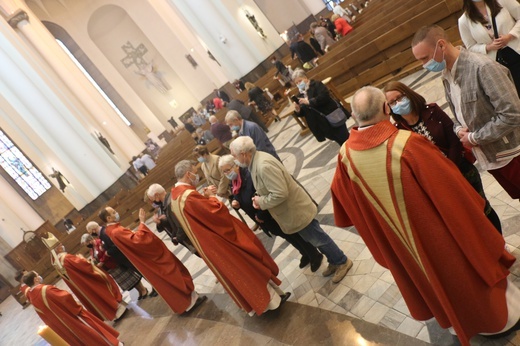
(365, 308)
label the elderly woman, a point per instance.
(411, 112)
(126, 278)
(314, 102)
(209, 166)
(478, 35)
(243, 192)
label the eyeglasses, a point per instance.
(228, 170)
(396, 100)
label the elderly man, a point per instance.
(246, 112)
(220, 131)
(229, 248)
(247, 128)
(423, 221)
(483, 99)
(59, 310)
(161, 199)
(288, 203)
(94, 288)
(159, 266)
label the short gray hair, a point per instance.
(213, 119)
(226, 160)
(153, 189)
(243, 144)
(299, 73)
(182, 167)
(233, 115)
(368, 102)
(86, 238)
(92, 225)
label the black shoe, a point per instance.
(154, 293)
(304, 261)
(120, 317)
(284, 298)
(198, 302)
(316, 263)
(143, 296)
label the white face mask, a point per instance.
(195, 180)
(117, 217)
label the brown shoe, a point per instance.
(331, 269)
(342, 271)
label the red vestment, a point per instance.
(77, 326)
(159, 266)
(94, 287)
(229, 248)
(422, 220)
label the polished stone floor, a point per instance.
(365, 308)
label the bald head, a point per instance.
(213, 119)
(369, 106)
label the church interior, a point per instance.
(85, 86)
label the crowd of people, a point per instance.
(405, 178)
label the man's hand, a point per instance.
(142, 215)
(255, 200)
(235, 204)
(157, 218)
(465, 140)
(209, 191)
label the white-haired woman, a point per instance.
(314, 102)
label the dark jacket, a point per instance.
(319, 101)
(303, 51)
(223, 95)
(221, 132)
(114, 252)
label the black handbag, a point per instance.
(506, 56)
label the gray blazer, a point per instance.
(490, 105)
(288, 203)
(259, 137)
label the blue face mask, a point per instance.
(403, 107)
(435, 66)
(302, 86)
(232, 175)
(235, 128)
(201, 159)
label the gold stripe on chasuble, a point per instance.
(44, 296)
(178, 209)
(103, 275)
(368, 170)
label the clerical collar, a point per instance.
(364, 127)
(181, 183)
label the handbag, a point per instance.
(506, 56)
(336, 118)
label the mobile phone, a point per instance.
(295, 99)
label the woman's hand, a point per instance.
(296, 107)
(304, 101)
(235, 204)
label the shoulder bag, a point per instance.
(336, 118)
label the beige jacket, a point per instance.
(214, 177)
(287, 202)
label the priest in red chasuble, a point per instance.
(59, 310)
(94, 288)
(151, 257)
(229, 248)
(422, 220)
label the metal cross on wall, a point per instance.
(134, 55)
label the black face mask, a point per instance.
(94, 234)
(90, 246)
(156, 204)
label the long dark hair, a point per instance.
(418, 102)
(474, 14)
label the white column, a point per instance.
(51, 127)
(16, 214)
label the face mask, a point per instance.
(201, 159)
(90, 246)
(301, 86)
(195, 180)
(435, 66)
(242, 165)
(117, 217)
(40, 278)
(94, 234)
(63, 249)
(232, 175)
(403, 107)
(235, 128)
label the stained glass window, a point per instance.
(14, 162)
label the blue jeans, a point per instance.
(314, 234)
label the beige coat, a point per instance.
(279, 193)
(214, 177)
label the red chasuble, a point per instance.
(229, 248)
(95, 289)
(77, 326)
(423, 221)
(159, 266)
